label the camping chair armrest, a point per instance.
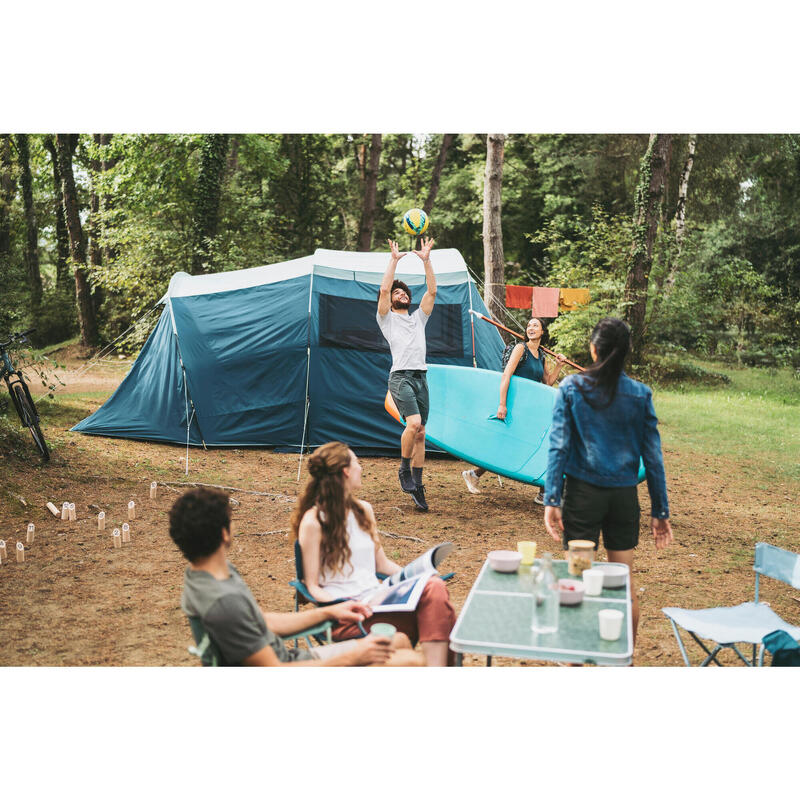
(302, 590)
(323, 628)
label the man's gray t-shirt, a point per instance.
(231, 616)
(406, 336)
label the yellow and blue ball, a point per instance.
(415, 222)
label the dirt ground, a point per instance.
(76, 600)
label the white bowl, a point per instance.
(504, 560)
(613, 574)
(570, 592)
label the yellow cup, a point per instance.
(528, 552)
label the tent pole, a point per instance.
(308, 373)
(471, 318)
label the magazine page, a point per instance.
(427, 562)
(402, 596)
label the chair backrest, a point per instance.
(205, 649)
(776, 563)
(298, 560)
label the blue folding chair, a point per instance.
(748, 622)
(209, 653)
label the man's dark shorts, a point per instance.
(588, 509)
(409, 390)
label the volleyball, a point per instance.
(415, 221)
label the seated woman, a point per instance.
(341, 549)
(526, 361)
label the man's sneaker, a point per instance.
(406, 480)
(539, 499)
(418, 496)
(471, 479)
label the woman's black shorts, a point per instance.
(589, 509)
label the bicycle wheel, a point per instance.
(29, 417)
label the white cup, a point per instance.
(592, 582)
(610, 624)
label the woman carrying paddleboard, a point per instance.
(526, 361)
(603, 423)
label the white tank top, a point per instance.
(358, 576)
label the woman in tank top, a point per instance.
(342, 551)
(527, 361)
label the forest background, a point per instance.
(692, 238)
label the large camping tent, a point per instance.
(287, 355)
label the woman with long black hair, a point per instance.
(603, 423)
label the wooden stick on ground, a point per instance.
(400, 536)
(262, 533)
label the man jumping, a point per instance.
(408, 384)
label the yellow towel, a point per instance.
(570, 299)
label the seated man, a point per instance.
(200, 525)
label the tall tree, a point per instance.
(213, 156)
(493, 258)
(436, 177)
(62, 235)
(367, 223)
(7, 192)
(65, 148)
(649, 195)
(31, 229)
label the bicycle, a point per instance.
(20, 393)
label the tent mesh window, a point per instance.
(350, 323)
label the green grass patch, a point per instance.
(754, 421)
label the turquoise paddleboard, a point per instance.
(463, 421)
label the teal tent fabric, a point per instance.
(248, 352)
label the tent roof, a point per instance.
(331, 263)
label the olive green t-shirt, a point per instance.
(231, 616)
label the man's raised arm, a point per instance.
(385, 299)
(429, 298)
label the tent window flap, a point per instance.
(350, 323)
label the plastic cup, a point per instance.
(383, 629)
(610, 621)
(528, 552)
(592, 582)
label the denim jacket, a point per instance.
(603, 446)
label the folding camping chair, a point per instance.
(302, 595)
(208, 652)
(748, 622)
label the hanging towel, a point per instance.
(545, 302)
(570, 299)
(518, 296)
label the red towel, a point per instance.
(518, 296)
(544, 302)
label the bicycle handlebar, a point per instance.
(17, 337)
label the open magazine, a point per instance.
(401, 591)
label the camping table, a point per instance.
(496, 621)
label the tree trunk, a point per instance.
(7, 192)
(447, 140)
(493, 258)
(683, 191)
(649, 194)
(370, 195)
(62, 237)
(205, 220)
(93, 224)
(31, 230)
(65, 147)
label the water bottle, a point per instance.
(544, 618)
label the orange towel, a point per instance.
(545, 302)
(572, 298)
(518, 296)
